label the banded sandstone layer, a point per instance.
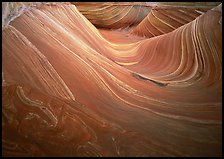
(70, 89)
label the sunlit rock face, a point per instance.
(70, 89)
(10, 11)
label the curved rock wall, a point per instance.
(166, 17)
(114, 15)
(68, 90)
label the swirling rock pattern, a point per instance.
(114, 15)
(166, 17)
(70, 89)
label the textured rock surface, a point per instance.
(166, 17)
(70, 89)
(114, 15)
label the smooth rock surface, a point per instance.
(70, 89)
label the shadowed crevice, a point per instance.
(146, 79)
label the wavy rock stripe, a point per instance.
(166, 17)
(194, 53)
(114, 15)
(68, 91)
(48, 78)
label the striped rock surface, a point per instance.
(70, 90)
(166, 17)
(114, 15)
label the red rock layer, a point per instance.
(114, 15)
(67, 91)
(166, 17)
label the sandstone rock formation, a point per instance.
(114, 15)
(69, 89)
(166, 17)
